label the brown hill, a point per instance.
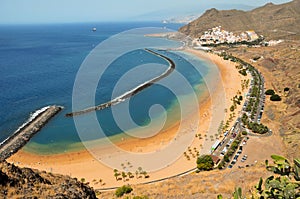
(272, 21)
(18, 182)
(280, 67)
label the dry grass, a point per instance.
(280, 67)
(18, 182)
(201, 185)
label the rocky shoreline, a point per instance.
(27, 131)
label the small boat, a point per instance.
(94, 29)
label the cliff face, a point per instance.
(272, 21)
(18, 182)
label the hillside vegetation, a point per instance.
(280, 67)
(271, 21)
(18, 182)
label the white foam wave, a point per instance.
(30, 119)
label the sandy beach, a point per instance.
(83, 164)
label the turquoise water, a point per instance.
(38, 66)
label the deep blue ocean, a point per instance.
(38, 66)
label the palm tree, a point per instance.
(130, 175)
(123, 166)
(140, 169)
(145, 174)
(136, 174)
(124, 176)
(116, 175)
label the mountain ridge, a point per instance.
(272, 21)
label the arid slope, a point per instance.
(272, 21)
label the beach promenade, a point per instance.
(15, 142)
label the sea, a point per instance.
(39, 65)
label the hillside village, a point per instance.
(217, 35)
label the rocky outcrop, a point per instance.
(18, 182)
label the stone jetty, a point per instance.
(131, 92)
(16, 141)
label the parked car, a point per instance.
(224, 151)
(244, 158)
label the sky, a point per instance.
(70, 11)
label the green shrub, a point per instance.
(258, 128)
(205, 163)
(123, 190)
(275, 98)
(226, 158)
(244, 133)
(270, 92)
(243, 72)
(230, 152)
(221, 164)
(140, 197)
(234, 145)
(286, 89)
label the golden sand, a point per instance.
(82, 164)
